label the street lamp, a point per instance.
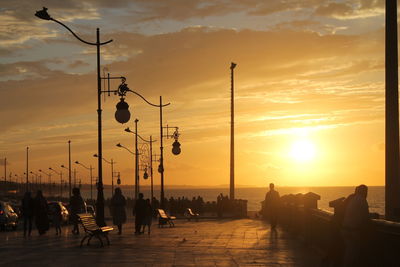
(69, 180)
(91, 177)
(61, 180)
(112, 172)
(49, 176)
(176, 150)
(37, 177)
(151, 141)
(42, 14)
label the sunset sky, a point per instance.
(309, 87)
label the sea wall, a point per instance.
(300, 215)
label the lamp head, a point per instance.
(145, 175)
(122, 115)
(62, 166)
(160, 168)
(77, 162)
(40, 170)
(176, 148)
(118, 181)
(95, 155)
(128, 130)
(233, 65)
(42, 14)
(119, 145)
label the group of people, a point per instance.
(142, 211)
(351, 226)
(37, 209)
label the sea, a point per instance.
(254, 195)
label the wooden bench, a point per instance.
(92, 229)
(163, 219)
(191, 215)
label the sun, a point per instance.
(303, 150)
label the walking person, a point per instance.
(41, 213)
(27, 210)
(139, 212)
(356, 227)
(148, 216)
(77, 206)
(56, 217)
(118, 203)
(271, 205)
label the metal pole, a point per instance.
(27, 172)
(74, 177)
(112, 177)
(61, 189)
(100, 193)
(151, 167)
(50, 183)
(69, 167)
(136, 160)
(161, 158)
(91, 183)
(5, 174)
(392, 175)
(232, 156)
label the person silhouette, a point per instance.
(41, 213)
(355, 226)
(148, 217)
(118, 203)
(271, 203)
(77, 206)
(139, 212)
(27, 210)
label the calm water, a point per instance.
(376, 194)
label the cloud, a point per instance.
(351, 9)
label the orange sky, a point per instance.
(308, 71)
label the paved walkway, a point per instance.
(244, 242)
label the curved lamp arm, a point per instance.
(109, 162)
(87, 168)
(151, 104)
(58, 173)
(42, 14)
(144, 140)
(127, 149)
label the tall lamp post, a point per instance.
(27, 171)
(91, 177)
(61, 180)
(49, 177)
(42, 14)
(111, 162)
(232, 154)
(392, 168)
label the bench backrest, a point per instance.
(162, 214)
(189, 210)
(88, 222)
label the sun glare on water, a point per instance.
(303, 150)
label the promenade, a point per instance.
(242, 242)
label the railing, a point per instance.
(300, 215)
